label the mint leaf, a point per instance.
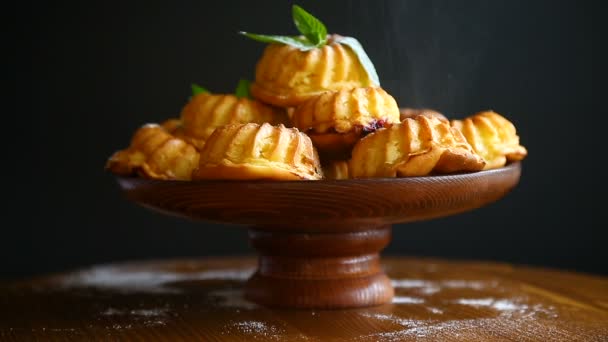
(311, 27)
(196, 89)
(299, 42)
(313, 30)
(242, 89)
(363, 58)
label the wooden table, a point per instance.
(202, 300)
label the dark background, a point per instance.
(89, 73)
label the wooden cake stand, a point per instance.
(319, 241)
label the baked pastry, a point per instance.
(205, 112)
(286, 76)
(172, 125)
(155, 153)
(414, 147)
(337, 169)
(253, 151)
(336, 120)
(405, 113)
(493, 137)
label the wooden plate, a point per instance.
(344, 205)
(319, 241)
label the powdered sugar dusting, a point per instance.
(410, 283)
(255, 330)
(141, 281)
(156, 312)
(475, 301)
(505, 305)
(469, 284)
(510, 306)
(145, 317)
(407, 300)
(430, 287)
(511, 315)
(255, 327)
(436, 311)
(232, 298)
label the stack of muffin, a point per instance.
(314, 114)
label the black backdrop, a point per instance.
(89, 73)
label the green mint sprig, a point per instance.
(314, 35)
(242, 89)
(196, 89)
(300, 42)
(367, 64)
(312, 29)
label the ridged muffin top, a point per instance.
(493, 137)
(155, 153)
(287, 76)
(205, 112)
(253, 151)
(346, 110)
(413, 147)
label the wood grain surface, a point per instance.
(202, 300)
(325, 205)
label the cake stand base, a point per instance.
(319, 270)
(319, 241)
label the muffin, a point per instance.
(337, 169)
(172, 125)
(493, 137)
(415, 147)
(405, 113)
(253, 151)
(155, 153)
(205, 112)
(286, 76)
(336, 120)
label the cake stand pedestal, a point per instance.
(319, 241)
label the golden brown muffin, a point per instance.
(336, 120)
(155, 153)
(493, 137)
(172, 125)
(337, 169)
(205, 112)
(285, 76)
(405, 113)
(253, 151)
(414, 147)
